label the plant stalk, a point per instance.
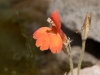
(71, 65)
(67, 50)
(70, 59)
(81, 56)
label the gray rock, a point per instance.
(72, 13)
(88, 59)
(94, 70)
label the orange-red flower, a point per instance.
(50, 38)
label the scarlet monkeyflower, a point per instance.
(50, 38)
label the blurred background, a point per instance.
(20, 18)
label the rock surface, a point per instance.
(75, 53)
(94, 70)
(72, 13)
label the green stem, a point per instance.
(81, 56)
(70, 60)
(67, 50)
(71, 65)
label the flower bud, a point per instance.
(86, 26)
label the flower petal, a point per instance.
(56, 19)
(46, 43)
(40, 32)
(39, 41)
(62, 35)
(56, 43)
